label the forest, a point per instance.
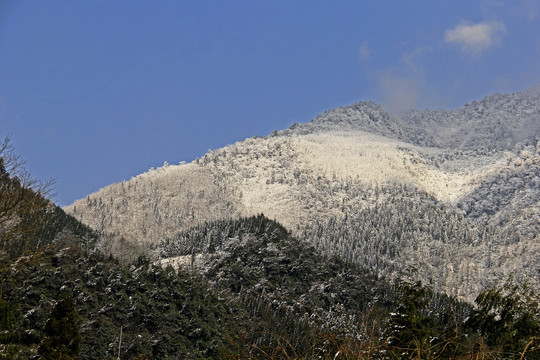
(239, 288)
(451, 193)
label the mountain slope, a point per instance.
(467, 180)
(293, 290)
(498, 121)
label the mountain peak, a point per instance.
(498, 121)
(361, 116)
(427, 189)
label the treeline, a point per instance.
(61, 297)
(247, 289)
(407, 228)
(309, 305)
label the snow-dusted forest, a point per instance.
(383, 236)
(452, 195)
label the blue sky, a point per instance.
(95, 92)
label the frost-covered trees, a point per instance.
(453, 193)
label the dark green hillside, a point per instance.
(257, 258)
(159, 312)
(244, 289)
(257, 255)
(318, 303)
(55, 287)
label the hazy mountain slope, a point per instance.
(408, 229)
(498, 121)
(509, 196)
(353, 163)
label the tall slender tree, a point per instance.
(62, 338)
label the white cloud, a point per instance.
(363, 51)
(475, 38)
(521, 9)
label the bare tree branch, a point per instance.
(23, 203)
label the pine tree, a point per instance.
(62, 338)
(7, 318)
(410, 328)
(509, 317)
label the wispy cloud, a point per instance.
(530, 9)
(522, 9)
(403, 85)
(399, 93)
(363, 51)
(475, 38)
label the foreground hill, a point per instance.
(249, 291)
(453, 194)
(229, 289)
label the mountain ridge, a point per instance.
(423, 127)
(347, 161)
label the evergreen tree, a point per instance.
(509, 317)
(7, 318)
(409, 327)
(62, 338)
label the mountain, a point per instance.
(253, 287)
(452, 195)
(374, 239)
(302, 300)
(252, 292)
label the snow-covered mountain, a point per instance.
(452, 194)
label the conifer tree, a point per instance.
(509, 317)
(62, 338)
(410, 328)
(7, 318)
